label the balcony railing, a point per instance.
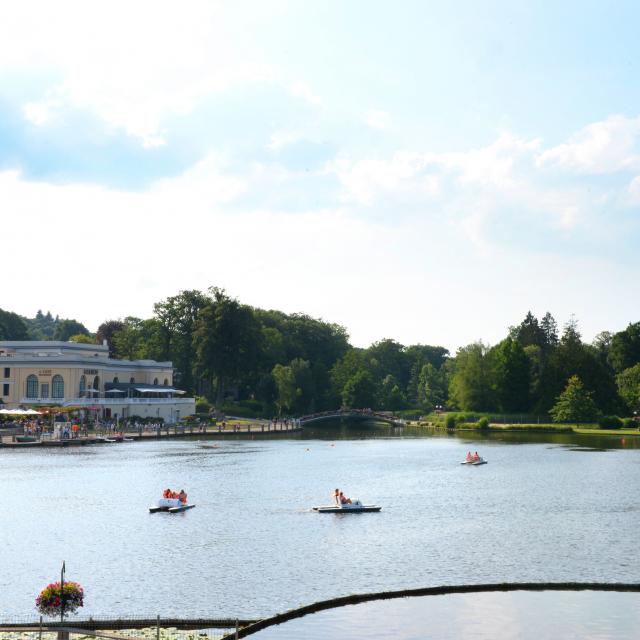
(82, 402)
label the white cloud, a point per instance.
(634, 191)
(377, 119)
(304, 91)
(602, 147)
(132, 64)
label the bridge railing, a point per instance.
(341, 413)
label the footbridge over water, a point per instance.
(356, 414)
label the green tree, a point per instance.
(67, 328)
(304, 384)
(227, 341)
(359, 391)
(432, 387)
(574, 404)
(629, 387)
(624, 351)
(470, 387)
(550, 331)
(511, 374)
(177, 318)
(12, 326)
(106, 331)
(391, 396)
(285, 386)
(128, 342)
(529, 332)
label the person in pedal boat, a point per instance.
(336, 496)
(166, 493)
(344, 499)
(182, 496)
(476, 456)
(469, 456)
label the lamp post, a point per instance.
(62, 572)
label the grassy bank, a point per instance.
(587, 429)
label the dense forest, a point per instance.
(267, 360)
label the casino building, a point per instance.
(69, 374)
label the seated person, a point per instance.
(469, 456)
(476, 456)
(336, 496)
(344, 499)
(182, 496)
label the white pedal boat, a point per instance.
(172, 505)
(355, 507)
(475, 462)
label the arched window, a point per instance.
(96, 383)
(57, 386)
(155, 381)
(166, 382)
(132, 381)
(83, 385)
(32, 386)
(115, 380)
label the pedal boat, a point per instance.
(355, 507)
(170, 505)
(475, 463)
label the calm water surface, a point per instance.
(549, 510)
(484, 616)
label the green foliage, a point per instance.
(202, 405)
(574, 404)
(359, 391)
(610, 422)
(67, 328)
(12, 326)
(629, 423)
(483, 423)
(432, 387)
(227, 340)
(629, 387)
(175, 324)
(106, 331)
(285, 385)
(81, 338)
(624, 351)
(470, 387)
(450, 421)
(511, 375)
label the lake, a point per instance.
(544, 508)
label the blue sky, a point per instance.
(422, 171)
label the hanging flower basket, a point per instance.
(50, 600)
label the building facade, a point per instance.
(69, 374)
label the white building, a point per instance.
(69, 374)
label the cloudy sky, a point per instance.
(426, 171)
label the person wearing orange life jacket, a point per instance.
(166, 493)
(182, 496)
(469, 456)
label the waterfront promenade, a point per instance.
(229, 428)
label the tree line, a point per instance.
(227, 351)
